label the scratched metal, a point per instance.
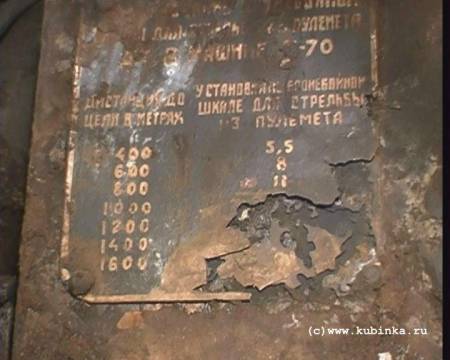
(204, 167)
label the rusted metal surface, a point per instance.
(188, 111)
(373, 230)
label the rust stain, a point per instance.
(263, 265)
(186, 268)
(347, 273)
(328, 248)
(131, 320)
(270, 263)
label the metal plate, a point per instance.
(182, 112)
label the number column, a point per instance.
(126, 241)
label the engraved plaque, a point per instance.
(184, 111)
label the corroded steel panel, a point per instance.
(386, 221)
(182, 113)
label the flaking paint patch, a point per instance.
(341, 280)
(416, 219)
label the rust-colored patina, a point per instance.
(190, 111)
(333, 244)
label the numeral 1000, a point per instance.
(118, 208)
